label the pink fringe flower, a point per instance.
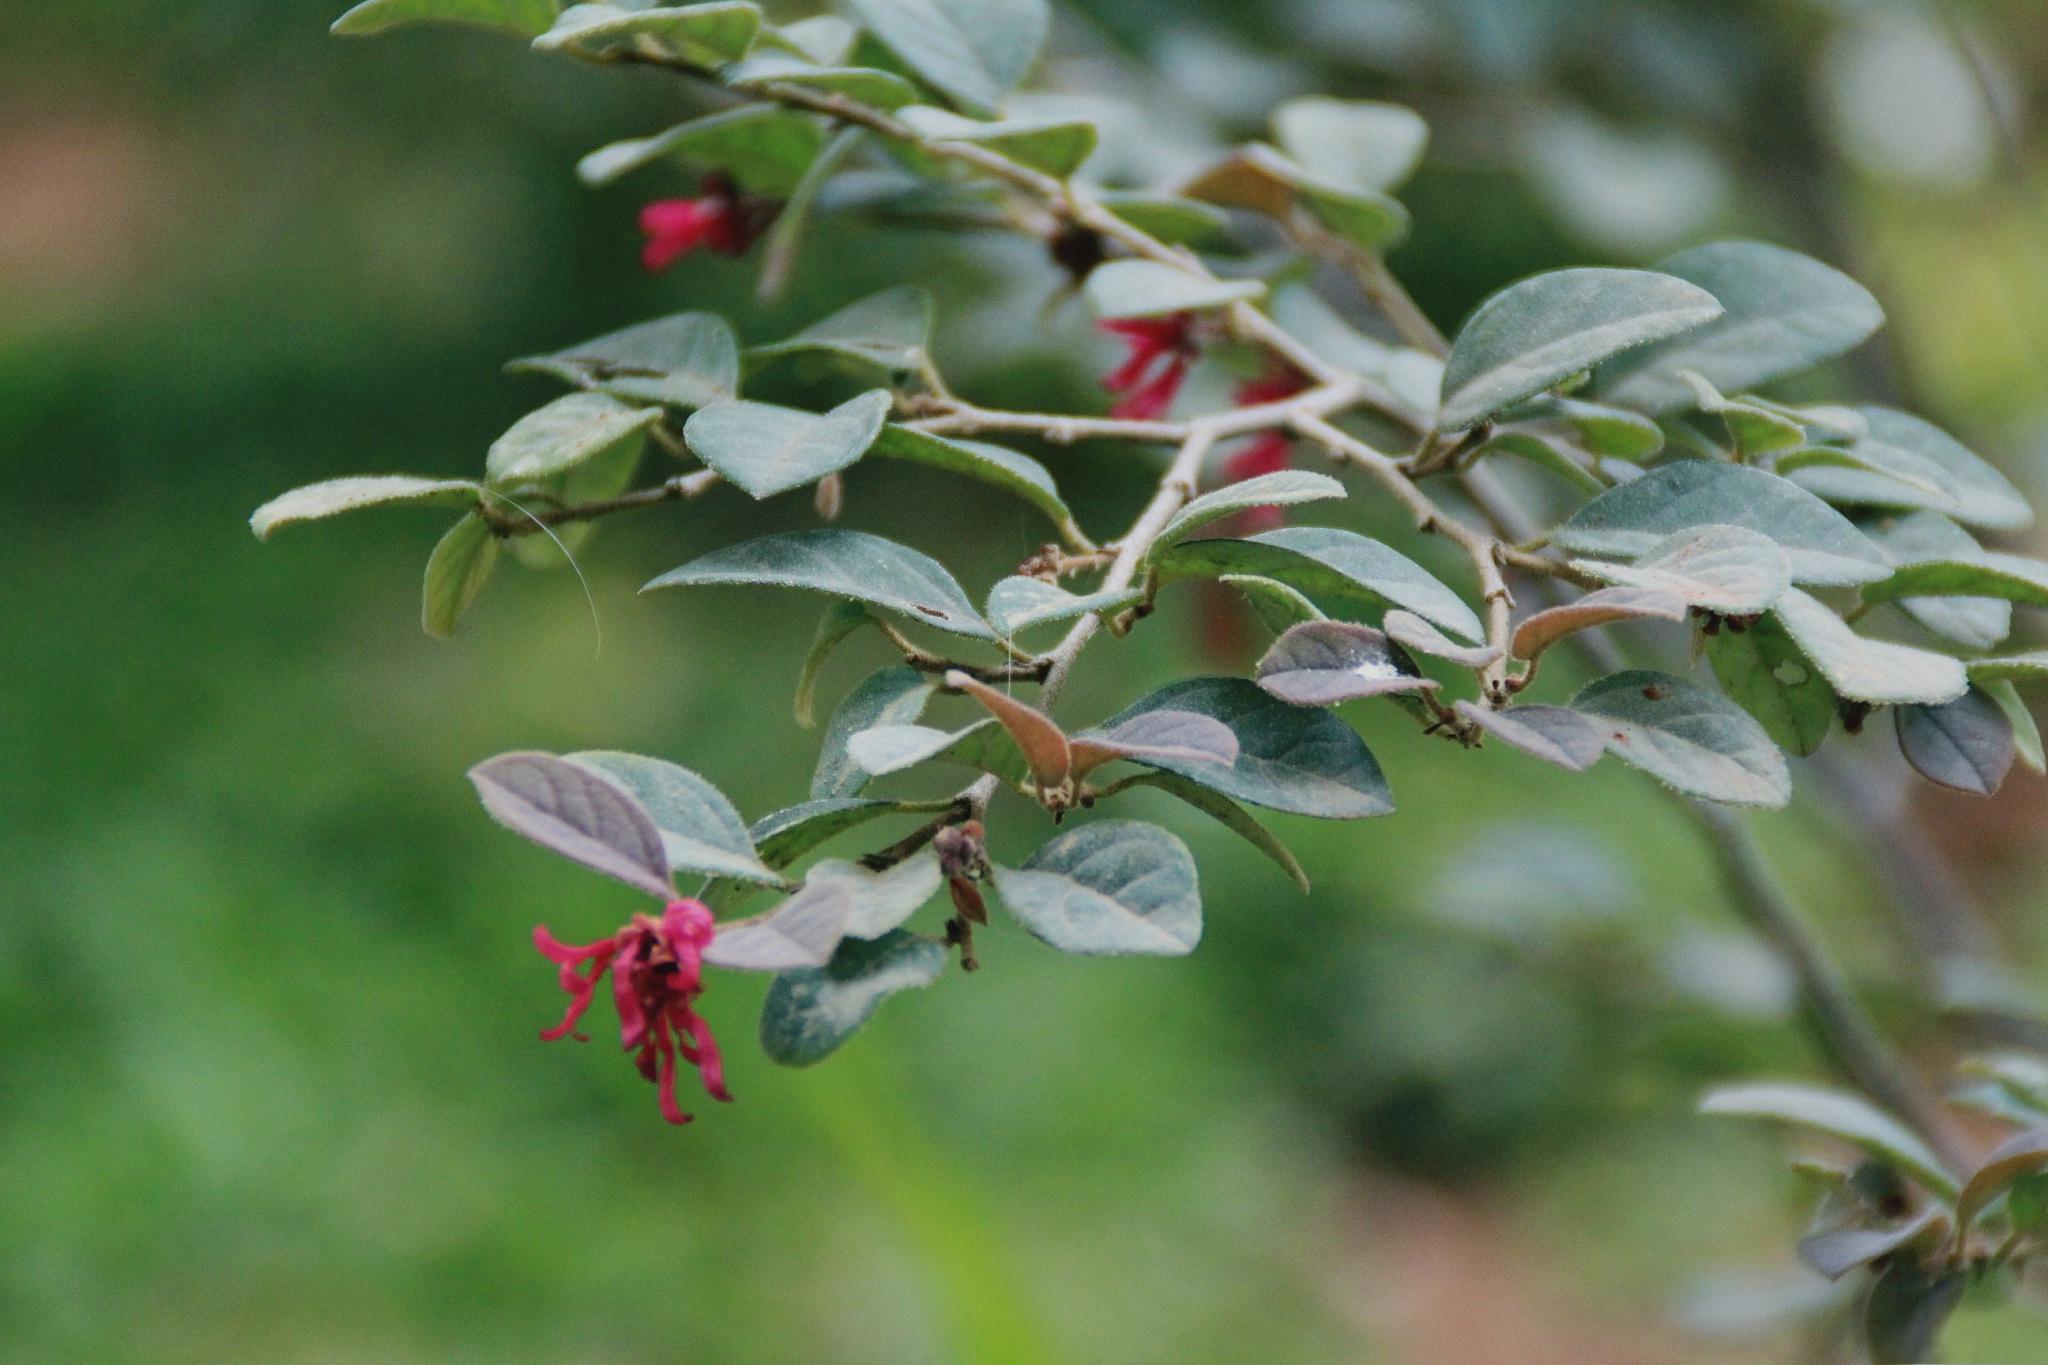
(657, 971)
(1162, 349)
(677, 227)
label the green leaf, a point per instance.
(845, 564)
(325, 499)
(984, 746)
(1753, 428)
(1728, 570)
(700, 830)
(1863, 670)
(2029, 667)
(1545, 453)
(809, 1013)
(1017, 604)
(863, 84)
(890, 696)
(1055, 146)
(1361, 143)
(767, 449)
(764, 148)
(1846, 1118)
(1175, 221)
(1965, 745)
(605, 474)
(889, 331)
(802, 931)
(1290, 758)
(1822, 546)
(562, 435)
(881, 900)
(1911, 463)
(972, 51)
(1111, 887)
(1536, 334)
(1019, 475)
(1324, 560)
(840, 620)
(1784, 313)
(1277, 604)
(572, 811)
(1688, 738)
(684, 361)
(2026, 731)
(1973, 622)
(1602, 607)
(1284, 488)
(523, 17)
(1147, 289)
(1231, 816)
(703, 35)
(1614, 433)
(1410, 631)
(785, 235)
(822, 38)
(1323, 663)
(1265, 180)
(456, 572)
(1555, 734)
(1984, 574)
(2012, 1161)
(1764, 672)
(786, 835)
(1906, 1310)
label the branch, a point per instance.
(682, 486)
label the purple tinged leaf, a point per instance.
(1321, 663)
(2012, 1161)
(572, 811)
(1840, 1250)
(803, 931)
(1158, 736)
(1410, 631)
(1966, 744)
(1555, 734)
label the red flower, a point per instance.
(1147, 385)
(677, 227)
(657, 968)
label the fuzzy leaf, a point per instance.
(984, 745)
(1410, 631)
(1018, 475)
(1284, 488)
(1723, 569)
(1323, 663)
(1325, 560)
(863, 84)
(700, 830)
(1289, 758)
(1602, 607)
(1266, 180)
(802, 931)
(768, 450)
(881, 900)
(1147, 289)
(1534, 335)
(1632, 519)
(1037, 736)
(1555, 734)
(456, 572)
(1784, 313)
(846, 564)
(1911, 463)
(764, 148)
(1846, 1118)
(1017, 604)
(1363, 143)
(562, 435)
(703, 35)
(1054, 146)
(1984, 574)
(891, 696)
(684, 361)
(325, 499)
(1864, 670)
(786, 835)
(972, 51)
(809, 1013)
(1966, 744)
(889, 331)
(1692, 740)
(1232, 817)
(523, 17)
(840, 620)
(570, 810)
(1972, 622)
(1157, 736)
(1763, 671)
(1110, 887)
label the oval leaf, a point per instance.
(1767, 675)
(456, 572)
(523, 17)
(803, 931)
(889, 696)
(1322, 663)
(1281, 489)
(1410, 631)
(1907, 462)
(1147, 289)
(1966, 745)
(1723, 569)
(1017, 604)
(700, 830)
(809, 1013)
(1690, 739)
(1019, 475)
(1867, 670)
(786, 835)
(881, 900)
(845, 563)
(317, 500)
(1232, 817)
(1326, 561)
(1602, 607)
(1533, 335)
(972, 51)
(562, 435)
(1111, 887)
(1972, 622)
(1178, 736)
(1555, 734)
(685, 361)
(889, 330)
(2014, 1160)
(1846, 1118)
(572, 811)
(768, 450)
(1038, 737)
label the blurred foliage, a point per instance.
(270, 1089)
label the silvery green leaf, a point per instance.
(1823, 547)
(984, 745)
(1966, 744)
(1289, 758)
(684, 361)
(1055, 146)
(1323, 560)
(1283, 488)
(972, 51)
(325, 499)
(523, 17)
(456, 572)
(562, 435)
(881, 900)
(1017, 604)
(703, 35)
(1323, 663)
(1692, 740)
(1784, 313)
(573, 811)
(767, 449)
(700, 830)
(890, 696)
(802, 931)
(786, 835)
(1873, 671)
(1723, 569)
(1765, 673)
(1555, 734)
(863, 84)
(2029, 667)
(1986, 573)
(1411, 632)
(1972, 622)
(809, 1013)
(1364, 143)
(840, 620)
(1910, 463)
(1183, 737)
(2026, 731)
(1601, 607)
(845, 564)
(1019, 475)
(1147, 289)
(889, 330)
(1232, 817)
(1847, 1118)
(764, 148)
(1110, 887)
(1535, 334)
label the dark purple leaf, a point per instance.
(572, 811)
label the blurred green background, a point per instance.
(269, 1085)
